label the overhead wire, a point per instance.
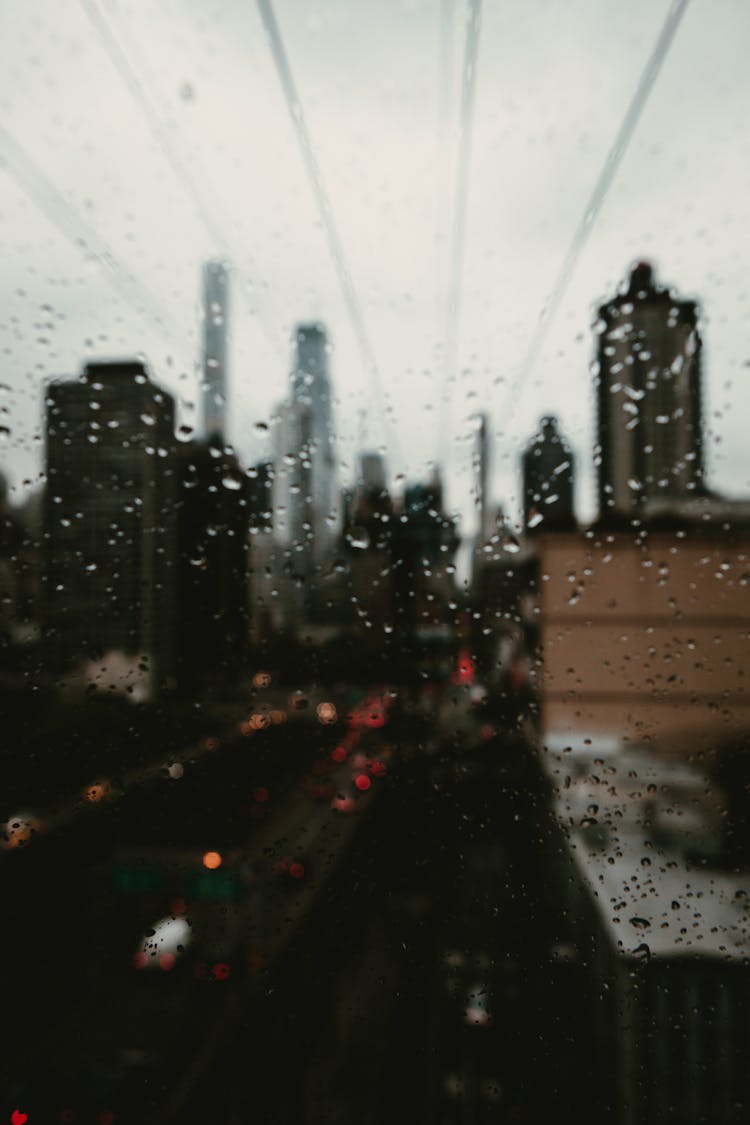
(460, 204)
(160, 133)
(442, 140)
(595, 202)
(325, 210)
(20, 166)
(204, 208)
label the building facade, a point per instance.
(110, 519)
(547, 466)
(643, 637)
(212, 570)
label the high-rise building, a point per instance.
(305, 501)
(372, 472)
(481, 465)
(215, 326)
(366, 547)
(425, 542)
(212, 573)
(369, 515)
(311, 389)
(649, 398)
(109, 521)
(263, 551)
(548, 480)
(292, 482)
(260, 495)
(291, 487)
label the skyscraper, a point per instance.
(291, 488)
(548, 480)
(369, 514)
(425, 541)
(480, 465)
(372, 472)
(109, 536)
(212, 594)
(292, 485)
(649, 398)
(311, 390)
(215, 324)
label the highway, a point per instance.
(277, 798)
(319, 919)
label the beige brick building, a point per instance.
(646, 638)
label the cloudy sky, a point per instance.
(379, 83)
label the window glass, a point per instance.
(374, 560)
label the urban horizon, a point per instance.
(373, 655)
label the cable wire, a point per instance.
(594, 205)
(460, 202)
(443, 136)
(325, 210)
(43, 193)
(205, 209)
(182, 171)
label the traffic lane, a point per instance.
(132, 1021)
(38, 812)
(81, 946)
(329, 836)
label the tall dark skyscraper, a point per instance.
(548, 480)
(372, 472)
(212, 578)
(215, 326)
(369, 515)
(110, 538)
(649, 398)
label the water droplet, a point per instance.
(358, 538)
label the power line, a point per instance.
(335, 245)
(159, 132)
(204, 208)
(460, 200)
(596, 200)
(442, 139)
(40, 189)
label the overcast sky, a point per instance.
(554, 79)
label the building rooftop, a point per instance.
(114, 369)
(643, 834)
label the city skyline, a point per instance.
(374, 561)
(517, 226)
(649, 429)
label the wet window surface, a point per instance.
(374, 562)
